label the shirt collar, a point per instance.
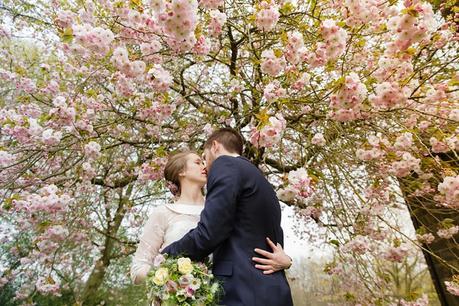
(186, 209)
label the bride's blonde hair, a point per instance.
(174, 166)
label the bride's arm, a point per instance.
(273, 261)
(150, 242)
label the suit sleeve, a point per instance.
(217, 218)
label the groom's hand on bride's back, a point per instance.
(274, 261)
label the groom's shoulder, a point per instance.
(228, 161)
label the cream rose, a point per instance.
(161, 276)
(184, 265)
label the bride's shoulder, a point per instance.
(159, 211)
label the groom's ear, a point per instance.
(215, 145)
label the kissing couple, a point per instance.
(237, 221)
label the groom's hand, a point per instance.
(273, 262)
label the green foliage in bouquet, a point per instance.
(179, 281)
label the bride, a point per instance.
(187, 175)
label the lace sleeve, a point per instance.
(151, 240)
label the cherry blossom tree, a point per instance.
(349, 107)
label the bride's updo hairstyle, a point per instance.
(174, 166)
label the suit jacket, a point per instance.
(241, 210)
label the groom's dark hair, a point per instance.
(231, 140)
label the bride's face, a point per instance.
(195, 170)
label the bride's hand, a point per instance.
(275, 261)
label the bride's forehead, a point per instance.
(193, 157)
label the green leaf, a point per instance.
(67, 35)
(334, 242)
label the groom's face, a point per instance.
(208, 156)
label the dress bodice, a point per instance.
(166, 224)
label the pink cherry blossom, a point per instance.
(270, 133)
(359, 245)
(407, 164)
(358, 12)
(149, 51)
(96, 39)
(387, 95)
(51, 137)
(346, 104)
(295, 50)
(92, 150)
(450, 189)
(6, 158)
(26, 85)
(367, 155)
(273, 91)
(65, 19)
(45, 287)
(286, 194)
(395, 254)
(318, 140)
(300, 182)
(302, 82)
(266, 19)
(124, 86)
(160, 78)
(318, 57)
(179, 22)
(404, 141)
(448, 233)
(452, 287)
(438, 146)
(334, 37)
(211, 4)
(217, 21)
(425, 238)
(88, 171)
(422, 301)
(271, 64)
(202, 46)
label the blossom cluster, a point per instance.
(388, 95)
(272, 64)
(129, 68)
(211, 4)
(267, 17)
(407, 164)
(179, 22)
(346, 104)
(448, 233)
(450, 189)
(453, 285)
(274, 91)
(96, 39)
(299, 186)
(217, 21)
(334, 37)
(270, 133)
(47, 199)
(160, 78)
(413, 25)
(295, 50)
(359, 245)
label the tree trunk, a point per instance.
(442, 256)
(96, 278)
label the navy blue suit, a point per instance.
(241, 210)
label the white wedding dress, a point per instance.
(166, 224)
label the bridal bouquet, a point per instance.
(179, 281)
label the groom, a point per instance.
(241, 210)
